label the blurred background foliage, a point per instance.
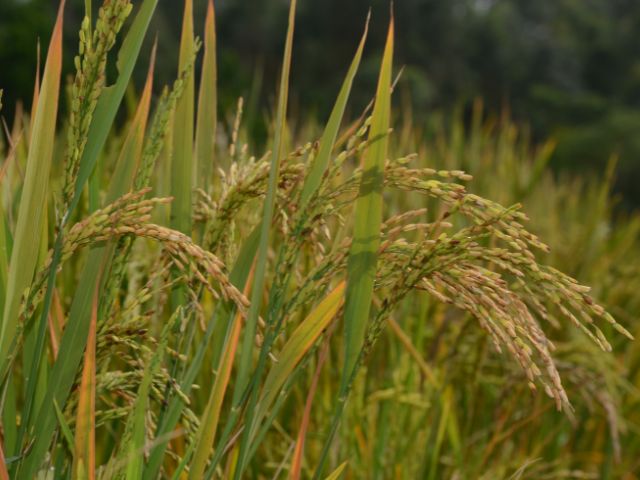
(568, 69)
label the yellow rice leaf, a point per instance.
(34, 195)
(301, 340)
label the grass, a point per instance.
(176, 306)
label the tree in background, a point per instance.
(570, 69)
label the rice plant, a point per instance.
(177, 304)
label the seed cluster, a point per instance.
(89, 82)
(129, 216)
(486, 268)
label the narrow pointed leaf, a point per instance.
(361, 267)
(328, 139)
(181, 180)
(34, 193)
(182, 159)
(335, 475)
(362, 261)
(267, 214)
(246, 353)
(64, 427)
(299, 343)
(207, 104)
(131, 152)
(84, 458)
(36, 88)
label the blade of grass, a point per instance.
(4, 254)
(207, 104)
(301, 340)
(313, 179)
(84, 457)
(311, 184)
(4, 210)
(337, 472)
(246, 353)
(181, 181)
(328, 139)
(182, 161)
(267, 215)
(64, 427)
(131, 152)
(36, 87)
(31, 216)
(34, 193)
(361, 265)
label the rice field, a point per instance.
(366, 297)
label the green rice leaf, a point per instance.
(361, 268)
(362, 261)
(207, 105)
(182, 159)
(131, 152)
(267, 215)
(28, 237)
(246, 354)
(328, 139)
(64, 427)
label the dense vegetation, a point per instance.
(180, 301)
